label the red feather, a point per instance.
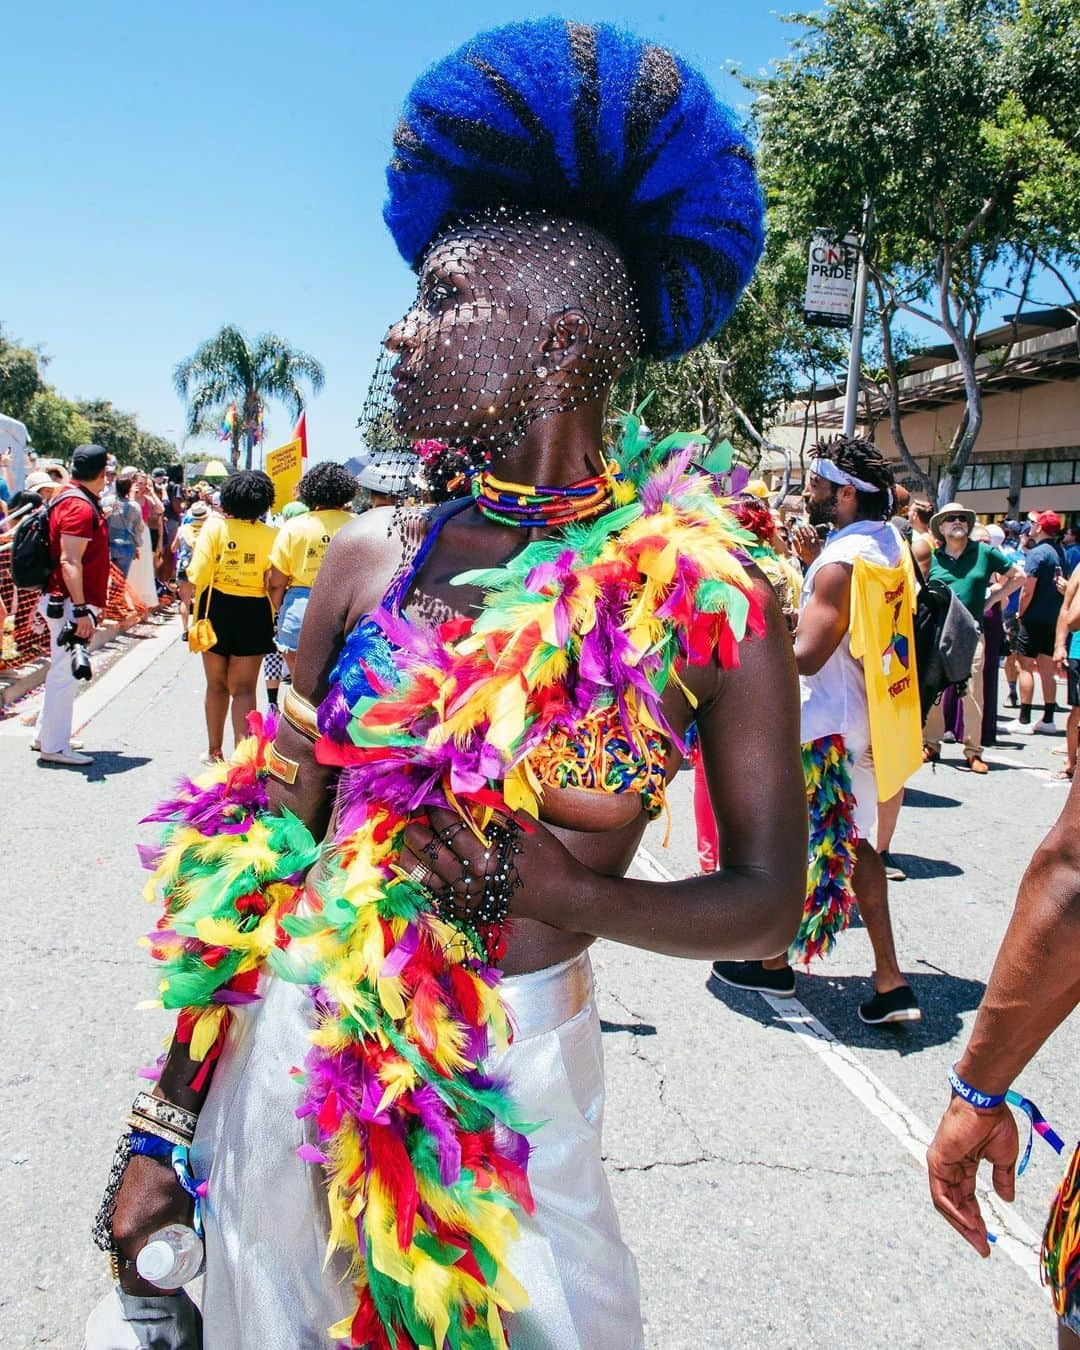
(391, 1165)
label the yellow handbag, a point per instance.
(201, 635)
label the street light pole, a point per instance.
(851, 399)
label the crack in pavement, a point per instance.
(661, 1076)
(764, 1163)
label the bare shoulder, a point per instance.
(364, 555)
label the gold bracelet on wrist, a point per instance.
(164, 1113)
(145, 1126)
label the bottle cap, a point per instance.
(155, 1261)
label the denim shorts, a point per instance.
(291, 617)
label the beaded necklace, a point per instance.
(523, 506)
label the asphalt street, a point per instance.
(767, 1175)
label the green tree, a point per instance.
(20, 377)
(735, 385)
(56, 425)
(117, 431)
(959, 121)
(229, 369)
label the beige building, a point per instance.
(1027, 456)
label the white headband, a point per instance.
(825, 468)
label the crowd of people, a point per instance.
(489, 698)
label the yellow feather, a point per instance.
(431, 1284)
(206, 1031)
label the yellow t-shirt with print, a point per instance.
(883, 637)
(234, 554)
(301, 544)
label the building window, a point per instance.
(1060, 471)
(1035, 472)
(980, 477)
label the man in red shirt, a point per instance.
(77, 592)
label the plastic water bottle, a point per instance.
(172, 1257)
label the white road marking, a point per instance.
(1014, 1237)
(101, 692)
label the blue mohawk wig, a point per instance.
(593, 123)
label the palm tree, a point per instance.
(227, 369)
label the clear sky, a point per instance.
(170, 168)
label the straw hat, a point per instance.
(953, 509)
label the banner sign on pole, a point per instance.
(830, 280)
(285, 466)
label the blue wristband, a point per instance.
(982, 1101)
(150, 1146)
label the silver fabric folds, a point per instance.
(266, 1215)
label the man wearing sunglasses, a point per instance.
(969, 569)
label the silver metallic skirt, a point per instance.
(266, 1287)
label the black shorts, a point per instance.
(1072, 681)
(1036, 637)
(244, 624)
(1012, 629)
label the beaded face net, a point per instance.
(518, 316)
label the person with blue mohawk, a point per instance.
(484, 717)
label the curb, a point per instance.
(27, 678)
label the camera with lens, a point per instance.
(80, 657)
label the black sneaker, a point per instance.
(898, 1005)
(753, 975)
(893, 870)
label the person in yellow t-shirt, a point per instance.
(228, 570)
(301, 545)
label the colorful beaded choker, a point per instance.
(522, 506)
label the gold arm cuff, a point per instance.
(147, 1126)
(301, 714)
(284, 770)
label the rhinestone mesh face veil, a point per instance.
(518, 316)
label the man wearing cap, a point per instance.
(1040, 604)
(77, 592)
(967, 568)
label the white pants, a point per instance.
(53, 728)
(266, 1286)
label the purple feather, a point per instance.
(437, 1123)
(402, 952)
(334, 715)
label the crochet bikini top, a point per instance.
(594, 754)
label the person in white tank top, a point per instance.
(848, 487)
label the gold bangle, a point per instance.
(277, 766)
(166, 1113)
(301, 714)
(146, 1126)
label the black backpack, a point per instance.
(945, 639)
(32, 561)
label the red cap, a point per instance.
(1049, 522)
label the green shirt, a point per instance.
(970, 574)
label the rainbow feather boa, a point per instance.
(424, 1158)
(831, 850)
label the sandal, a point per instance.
(1062, 776)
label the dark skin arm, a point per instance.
(752, 906)
(1040, 951)
(150, 1197)
(824, 618)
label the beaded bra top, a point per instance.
(595, 754)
